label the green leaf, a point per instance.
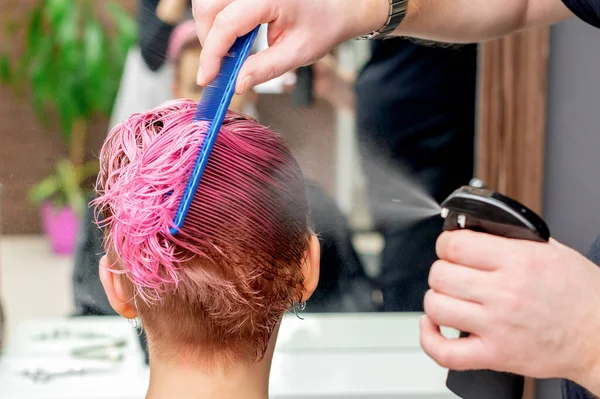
(67, 175)
(5, 72)
(70, 68)
(34, 32)
(93, 39)
(67, 38)
(44, 190)
(87, 170)
(96, 69)
(56, 9)
(67, 113)
(126, 25)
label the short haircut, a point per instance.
(223, 283)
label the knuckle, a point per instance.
(454, 247)
(270, 71)
(497, 355)
(513, 304)
(202, 7)
(446, 359)
(222, 21)
(430, 305)
(435, 275)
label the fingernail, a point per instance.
(246, 84)
(200, 77)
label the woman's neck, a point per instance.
(171, 380)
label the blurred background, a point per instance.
(383, 131)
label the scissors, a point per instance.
(111, 351)
(44, 376)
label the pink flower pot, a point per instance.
(61, 225)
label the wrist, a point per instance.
(369, 16)
(587, 359)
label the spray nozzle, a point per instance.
(483, 210)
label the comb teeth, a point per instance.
(212, 107)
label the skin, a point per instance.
(519, 300)
(179, 379)
(300, 32)
(541, 299)
(185, 85)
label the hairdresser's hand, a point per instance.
(531, 308)
(299, 32)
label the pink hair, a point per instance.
(182, 35)
(236, 263)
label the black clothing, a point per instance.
(153, 36)
(587, 10)
(571, 390)
(415, 108)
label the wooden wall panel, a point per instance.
(512, 107)
(511, 123)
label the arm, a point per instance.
(157, 19)
(460, 21)
(303, 31)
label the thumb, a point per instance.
(266, 65)
(454, 354)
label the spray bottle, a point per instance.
(486, 211)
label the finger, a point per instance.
(235, 20)
(459, 281)
(477, 250)
(450, 312)
(455, 354)
(266, 65)
(204, 12)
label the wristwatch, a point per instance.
(396, 15)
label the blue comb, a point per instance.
(213, 105)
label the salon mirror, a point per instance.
(379, 150)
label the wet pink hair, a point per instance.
(225, 280)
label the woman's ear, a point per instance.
(311, 267)
(113, 286)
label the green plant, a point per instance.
(69, 68)
(64, 186)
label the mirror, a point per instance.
(388, 134)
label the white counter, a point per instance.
(323, 356)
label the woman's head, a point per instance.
(184, 52)
(216, 290)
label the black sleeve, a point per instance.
(153, 35)
(587, 10)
